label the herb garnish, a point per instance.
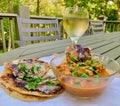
(49, 82)
(33, 82)
(35, 69)
(37, 80)
(75, 73)
(25, 73)
(31, 86)
(92, 68)
(22, 66)
(81, 64)
(94, 61)
(96, 76)
(75, 59)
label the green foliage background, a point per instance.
(57, 7)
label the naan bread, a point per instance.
(29, 64)
(10, 82)
(23, 97)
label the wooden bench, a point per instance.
(35, 31)
(97, 27)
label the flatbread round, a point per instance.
(8, 82)
(23, 97)
(29, 63)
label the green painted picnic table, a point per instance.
(106, 44)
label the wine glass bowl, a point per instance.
(75, 22)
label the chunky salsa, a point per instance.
(80, 63)
(85, 70)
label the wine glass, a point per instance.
(75, 22)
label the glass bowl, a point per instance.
(85, 87)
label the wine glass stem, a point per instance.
(74, 41)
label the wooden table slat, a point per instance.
(106, 44)
(106, 48)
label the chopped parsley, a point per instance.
(33, 82)
(32, 79)
(75, 59)
(94, 61)
(29, 76)
(31, 86)
(49, 82)
(92, 68)
(96, 76)
(25, 73)
(84, 75)
(71, 69)
(75, 73)
(70, 64)
(35, 69)
(81, 64)
(22, 66)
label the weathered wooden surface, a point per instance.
(97, 27)
(38, 30)
(110, 26)
(105, 44)
(3, 35)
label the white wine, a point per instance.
(75, 27)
